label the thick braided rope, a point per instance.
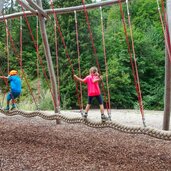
(152, 132)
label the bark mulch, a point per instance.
(38, 145)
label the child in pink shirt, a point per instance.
(92, 81)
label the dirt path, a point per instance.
(38, 145)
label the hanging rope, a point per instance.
(133, 62)
(19, 60)
(165, 29)
(1, 73)
(21, 44)
(57, 65)
(40, 59)
(136, 68)
(106, 65)
(65, 47)
(37, 54)
(91, 36)
(78, 53)
(6, 83)
(7, 45)
(7, 51)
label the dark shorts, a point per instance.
(12, 95)
(99, 99)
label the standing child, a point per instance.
(15, 88)
(92, 81)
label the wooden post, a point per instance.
(166, 117)
(49, 60)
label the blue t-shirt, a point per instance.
(15, 83)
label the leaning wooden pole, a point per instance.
(48, 59)
(167, 104)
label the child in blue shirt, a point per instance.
(15, 88)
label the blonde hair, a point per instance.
(93, 70)
(13, 72)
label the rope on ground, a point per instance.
(152, 132)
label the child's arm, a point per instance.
(98, 79)
(3, 77)
(79, 79)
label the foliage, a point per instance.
(149, 52)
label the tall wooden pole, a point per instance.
(48, 58)
(166, 117)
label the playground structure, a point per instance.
(43, 15)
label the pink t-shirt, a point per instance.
(93, 88)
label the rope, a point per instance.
(152, 132)
(36, 47)
(7, 46)
(165, 29)
(133, 63)
(17, 56)
(57, 65)
(65, 47)
(91, 36)
(21, 43)
(37, 54)
(6, 83)
(79, 68)
(105, 61)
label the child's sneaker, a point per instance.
(7, 108)
(13, 107)
(84, 115)
(104, 118)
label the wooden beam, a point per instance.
(36, 7)
(23, 4)
(63, 10)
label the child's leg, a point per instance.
(90, 98)
(87, 108)
(8, 101)
(86, 111)
(13, 101)
(100, 100)
(14, 96)
(101, 109)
